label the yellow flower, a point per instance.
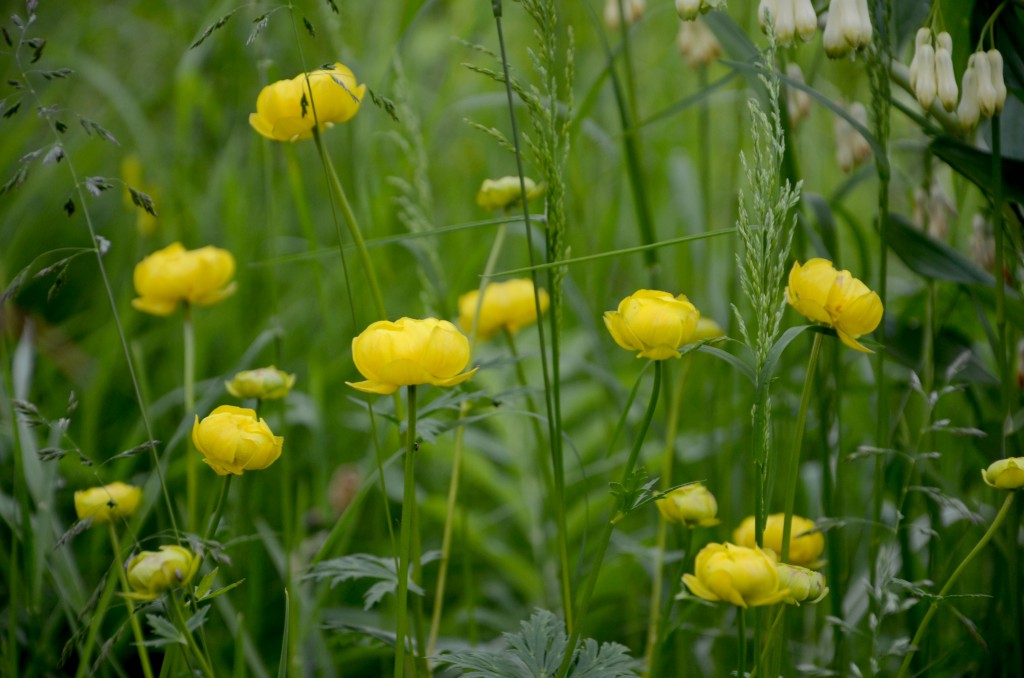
(707, 328)
(804, 585)
(265, 383)
(410, 352)
(150, 573)
(103, 504)
(285, 109)
(499, 194)
(824, 295)
(804, 549)
(742, 576)
(653, 323)
(689, 505)
(507, 305)
(232, 440)
(201, 277)
(1005, 474)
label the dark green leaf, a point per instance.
(929, 257)
(976, 165)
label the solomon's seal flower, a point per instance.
(499, 194)
(804, 585)
(103, 504)
(150, 573)
(288, 110)
(408, 352)
(1005, 474)
(233, 440)
(653, 323)
(805, 546)
(506, 305)
(690, 506)
(834, 298)
(200, 277)
(265, 383)
(736, 574)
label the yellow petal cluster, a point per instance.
(743, 576)
(499, 194)
(233, 440)
(823, 294)
(285, 109)
(1005, 474)
(690, 506)
(150, 573)
(104, 504)
(805, 546)
(409, 352)
(653, 323)
(265, 383)
(507, 305)
(166, 277)
(805, 586)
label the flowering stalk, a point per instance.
(405, 538)
(218, 509)
(147, 670)
(191, 473)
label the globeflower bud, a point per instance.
(805, 545)
(104, 504)
(500, 194)
(969, 110)
(690, 506)
(233, 440)
(944, 74)
(855, 309)
(288, 110)
(150, 573)
(1005, 474)
(804, 585)
(166, 277)
(264, 383)
(743, 576)
(508, 305)
(653, 323)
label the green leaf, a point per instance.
(165, 632)
(363, 566)
(282, 666)
(929, 257)
(976, 165)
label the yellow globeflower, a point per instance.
(150, 573)
(285, 109)
(409, 352)
(805, 586)
(265, 383)
(104, 504)
(499, 194)
(1005, 474)
(200, 277)
(233, 440)
(809, 286)
(824, 295)
(653, 323)
(507, 305)
(736, 574)
(690, 506)
(804, 549)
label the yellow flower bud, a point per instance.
(233, 440)
(265, 383)
(834, 298)
(200, 277)
(653, 323)
(805, 546)
(742, 576)
(499, 194)
(804, 585)
(150, 573)
(506, 305)
(410, 352)
(690, 506)
(104, 504)
(1005, 474)
(285, 109)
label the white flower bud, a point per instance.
(697, 44)
(688, 9)
(634, 9)
(923, 37)
(986, 90)
(765, 9)
(944, 75)
(805, 19)
(969, 111)
(798, 102)
(995, 61)
(785, 22)
(939, 209)
(926, 88)
(864, 14)
(842, 28)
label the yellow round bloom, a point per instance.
(285, 109)
(409, 352)
(499, 194)
(265, 383)
(200, 277)
(736, 574)
(150, 573)
(653, 323)
(835, 298)
(232, 440)
(804, 549)
(104, 504)
(690, 506)
(805, 586)
(808, 289)
(507, 305)
(1005, 474)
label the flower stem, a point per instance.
(408, 498)
(190, 641)
(933, 608)
(218, 509)
(191, 471)
(741, 641)
(147, 670)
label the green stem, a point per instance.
(933, 608)
(741, 641)
(408, 498)
(218, 509)
(794, 450)
(1003, 362)
(147, 670)
(85, 658)
(190, 641)
(531, 406)
(191, 461)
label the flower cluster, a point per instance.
(984, 90)
(288, 110)
(789, 18)
(931, 70)
(848, 27)
(851, 147)
(688, 10)
(697, 44)
(199, 277)
(507, 305)
(655, 324)
(837, 299)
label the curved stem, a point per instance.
(408, 498)
(189, 386)
(147, 670)
(218, 509)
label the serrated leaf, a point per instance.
(218, 24)
(363, 566)
(165, 632)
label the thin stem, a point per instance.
(741, 641)
(191, 470)
(933, 608)
(1000, 283)
(408, 498)
(85, 658)
(147, 670)
(190, 641)
(218, 509)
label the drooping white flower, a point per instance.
(969, 111)
(697, 44)
(851, 148)
(944, 75)
(995, 60)
(689, 9)
(633, 10)
(848, 27)
(798, 102)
